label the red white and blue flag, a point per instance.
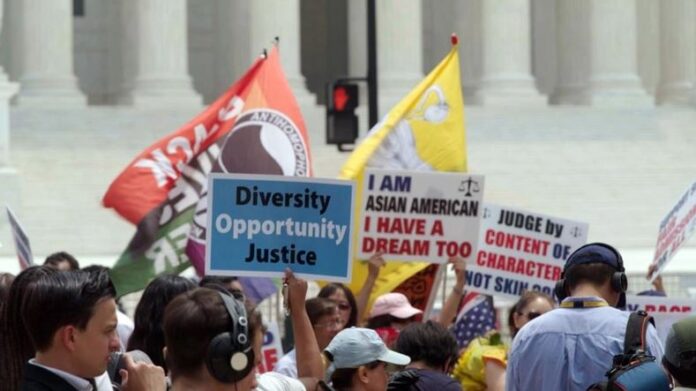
(475, 318)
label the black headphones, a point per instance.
(230, 355)
(590, 253)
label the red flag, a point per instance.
(147, 180)
(161, 188)
(269, 137)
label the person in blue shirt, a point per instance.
(571, 347)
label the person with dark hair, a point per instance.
(433, 351)
(390, 313)
(62, 261)
(194, 322)
(71, 320)
(15, 345)
(231, 284)
(326, 322)
(572, 347)
(358, 360)
(531, 305)
(213, 342)
(5, 283)
(148, 335)
(125, 325)
(345, 301)
(680, 354)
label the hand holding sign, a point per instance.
(459, 267)
(657, 282)
(297, 290)
(374, 264)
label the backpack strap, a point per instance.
(636, 330)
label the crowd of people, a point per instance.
(61, 329)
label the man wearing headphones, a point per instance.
(572, 347)
(213, 342)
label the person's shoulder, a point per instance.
(433, 380)
(274, 381)
(288, 358)
(287, 365)
(40, 379)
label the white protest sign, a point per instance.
(520, 250)
(675, 228)
(665, 310)
(271, 350)
(420, 216)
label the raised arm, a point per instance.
(309, 363)
(449, 309)
(373, 265)
(657, 283)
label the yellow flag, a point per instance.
(425, 131)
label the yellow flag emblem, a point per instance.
(424, 131)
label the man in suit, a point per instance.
(71, 320)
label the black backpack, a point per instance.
(635, 369)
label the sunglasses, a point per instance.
(237, 294)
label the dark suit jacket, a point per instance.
(39, 379)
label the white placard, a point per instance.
(420, 216)
(520, 250)
(272, 348)
(665, 310)
(675, 229)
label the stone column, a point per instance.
(157, 46)
(281, 18)
(468, 25)
(573, 51)
(232, 40)
(614, 77)
(357, 38)
(399, 50)
(676, 51)
(47, 76)
(9, 188)
(507, 77)
(357, 57)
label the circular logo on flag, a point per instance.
(265, 141)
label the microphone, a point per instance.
(117, 362)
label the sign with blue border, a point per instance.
(259, 225)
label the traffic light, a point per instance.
(341, 121)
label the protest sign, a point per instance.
(519, 251)
(271, 350)
(675, 228)
(665, 310)
(660, 304)
(419, 216)
(262, 224)
(21, 240)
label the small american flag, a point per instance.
(476, 317)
